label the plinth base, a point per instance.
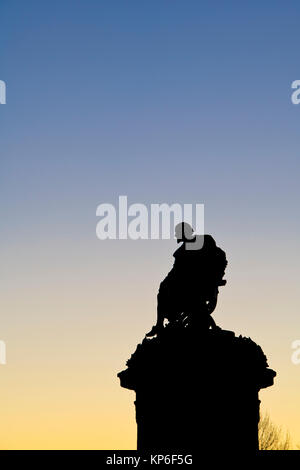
(197, 391)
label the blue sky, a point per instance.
(196, 97)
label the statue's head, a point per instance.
(184, 232)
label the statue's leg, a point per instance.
(160, 315)
(160, 312)
(212, 303)
(211, 323)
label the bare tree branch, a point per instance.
(271, 437)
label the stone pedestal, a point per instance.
(197, 392)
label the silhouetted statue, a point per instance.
(189, 293)
(197, 388)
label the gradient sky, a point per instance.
(162, 101)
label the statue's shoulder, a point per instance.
(179, 252)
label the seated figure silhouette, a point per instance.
(189, 292)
